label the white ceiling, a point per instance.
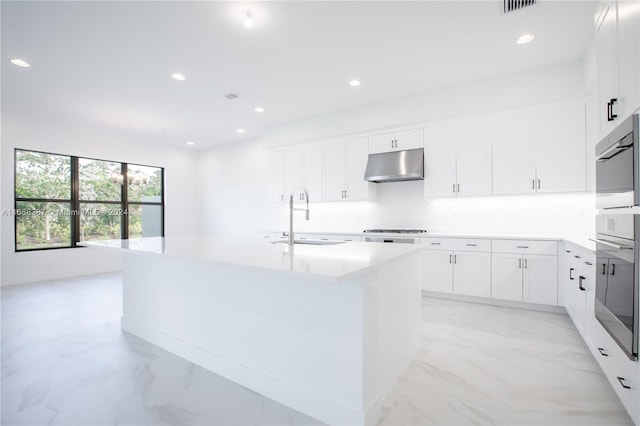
(109, 63)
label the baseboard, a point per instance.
(496, 302)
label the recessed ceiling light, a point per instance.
(20, 62)
(178, 76)
(240, 130)
(355, 83)
(191, 143)
(525, 38)
(259, 109)
(248, 21)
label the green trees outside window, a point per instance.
(61, 200)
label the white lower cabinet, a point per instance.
(438, 267)
(457, 266)
(472, 273)
(525, 271)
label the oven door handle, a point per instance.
(616, 146)
(607, 243)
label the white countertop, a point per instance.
(576, 239)
(329, 262)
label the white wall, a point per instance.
(74, 139)
(244, 207)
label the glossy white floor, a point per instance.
(66, 362)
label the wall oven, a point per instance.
(618, 235)
(617, 162)
(616, 301)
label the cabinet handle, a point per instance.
(458, 188)
(525, 264)
(580, 279)
(533, 184)
(454, 187)
(621, 381)
(450, 258)
(538, 183)
(571, 273)
(522, 246)
(472, 245)
(610, 115)
(601, 350)
(435, 244)
(613, 269)
(520, 263)
(588, 263)
(281, 197)
(455, 258)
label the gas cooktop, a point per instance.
(395, 231)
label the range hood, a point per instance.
(395, 166)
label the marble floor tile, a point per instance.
(65, 361)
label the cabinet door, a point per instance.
(312, 170)
(607, 60)
(540, 279)
(506, 276)
(293, 172)
(438, 271)
(409, 139)
(559, 146)
(473, 157)
(333, 175)
(628, 57)
(277, 176)
(356, 163)
(513, 171)
(439, 160)
(382, 143)
(472, 273)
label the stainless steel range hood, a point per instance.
(395, 166)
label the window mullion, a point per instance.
(75, 201)
(124, 220)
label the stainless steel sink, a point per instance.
(312, 242)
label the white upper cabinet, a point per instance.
(540, 149)
(457, 158)
(513, 170)
(440, 160)
(312, 170)
(617, 26)
(295, 168)
(277, 176)
(396, 141)
(473, 157)
(558, 146)
(344, 167)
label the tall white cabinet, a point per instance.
(617, 25)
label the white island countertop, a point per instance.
(328, 262)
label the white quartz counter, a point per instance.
(329, 262)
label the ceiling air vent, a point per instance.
(513, 5)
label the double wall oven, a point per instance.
(618, 234)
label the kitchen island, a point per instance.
(324, 329)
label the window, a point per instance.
(61, 200)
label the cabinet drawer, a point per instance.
(338, 237)
(525, 247)
(437, 243)
(471, 244)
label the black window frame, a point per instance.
(75, 202)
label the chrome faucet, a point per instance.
(291, 209)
